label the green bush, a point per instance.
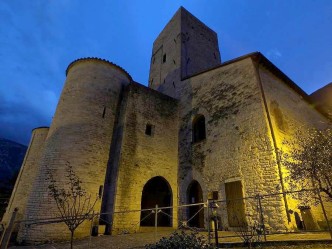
(181, 241)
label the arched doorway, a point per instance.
(156, 191)
(195, 195)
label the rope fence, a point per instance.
(256, 217)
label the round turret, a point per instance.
(29, 171)
(80, 136)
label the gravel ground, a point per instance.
(139, 240)
(318, 246)
(125, 241)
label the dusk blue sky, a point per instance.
(39, 38)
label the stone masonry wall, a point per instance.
(27, 175)
(290, 112)
(167, 43)
(144, 157)
(189, 47)
(238, 145)
(199, 50)
(81, 134)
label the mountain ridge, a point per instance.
(11, 158)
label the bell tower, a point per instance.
(185, 46)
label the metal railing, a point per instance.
(253, 218)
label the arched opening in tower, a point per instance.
(195, 213)
(156, 191)
(199, 132)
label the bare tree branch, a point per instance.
(308, 158)
(73, 203)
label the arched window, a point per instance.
(199, 128)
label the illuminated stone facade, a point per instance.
(130, 140)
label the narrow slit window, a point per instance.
(104, 112)
(100, 192)
(164, 58)
(149, 130)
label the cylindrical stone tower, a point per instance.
(27, 175)
(80, 134)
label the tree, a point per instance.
(72, 201)
(309, 161)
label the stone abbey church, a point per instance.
(201, 125)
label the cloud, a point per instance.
(31, 75)
(274, 53)
(17, 119)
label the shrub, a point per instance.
(181, 241)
